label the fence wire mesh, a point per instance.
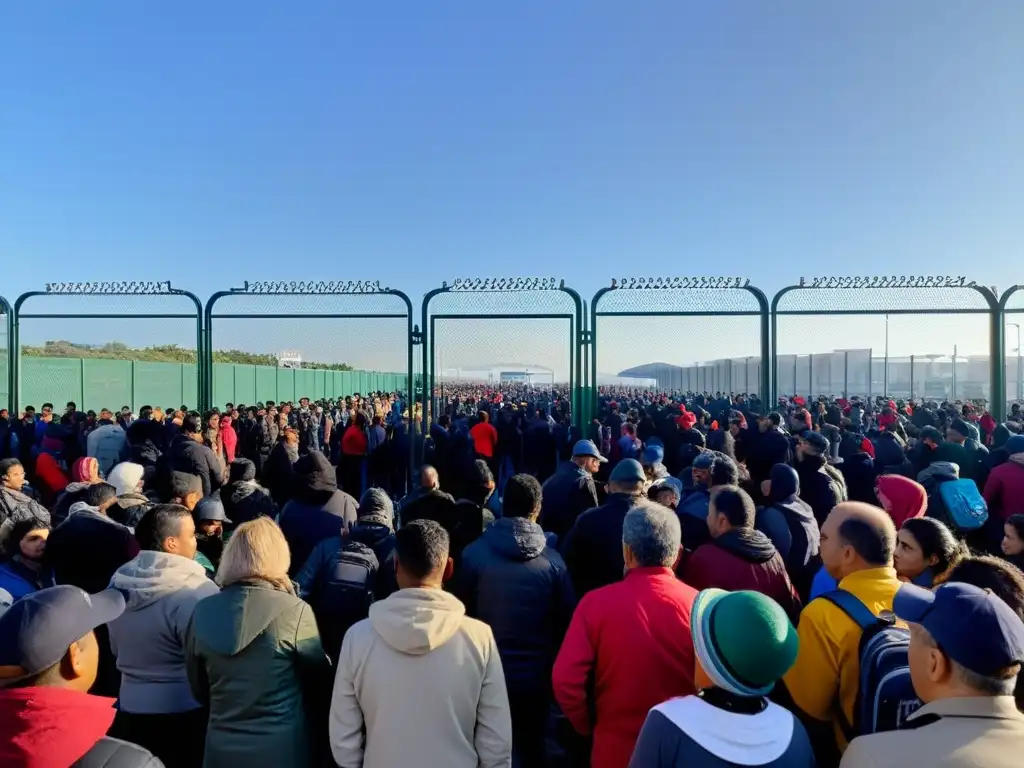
(1013, 363)
(6, 390)
(902, 342)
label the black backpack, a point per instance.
(346, 593)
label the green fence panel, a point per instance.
(106, 384)
(223, 384)
(245, 384)
(303, 383)
(160, 384)
(336, 383)
(320, 384)
(348, 383)
(285, 384)
(266, 384)
(50, 380)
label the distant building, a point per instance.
(289, 358)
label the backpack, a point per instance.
(346, 593)
(966, 510)
(885, 693)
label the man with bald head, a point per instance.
(429, 502)
(857, 545)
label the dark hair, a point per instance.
(422, 547)
(159, 523)
(145, 411)
(192, 423)
(935, 538)
(20, 530)
(775, 418)
(181, 485)
(480, 475)
(735, 504)
(485, 417)
(874, 543)
(72, 404)
(6, 465)
(1017, 521)
(522, 496)
(724, 472)
(48, 405)
(99, 494)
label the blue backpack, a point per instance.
(966, 510)
(885, 693)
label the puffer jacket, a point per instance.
(16, 506)
(520, 587)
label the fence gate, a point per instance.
(494, 329)
(865, 336)
(107, 345)
(8, 360)
(687, 334)
(1011, 306)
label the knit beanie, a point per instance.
(743, 640)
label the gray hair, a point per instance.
(1003, 683)
(652, 534)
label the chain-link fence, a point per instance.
(1012, 306)
(911, 338)
(107, 345)
(501, 332)
(705, 335)
(7, 360)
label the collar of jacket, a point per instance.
(869, 574)
(992, 707)
(650, 572)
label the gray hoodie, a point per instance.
(161, 591)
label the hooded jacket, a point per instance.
(108, 444)
(520, 587)
(907, 498)
(186, 455)
(253, 655)
(87, 548)
(789, 523)
(818, 488)
(126, 477)
(161, 591)
(418, 660)
(43, 727)
(1004, 489)
(743, 559)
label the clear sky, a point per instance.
(211, 142)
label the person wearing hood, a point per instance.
(84, 473)
(328, 580)
(891, 455)
(818, 487)
(127, 479)
(592, 548)
(317, 509)
(418, 649)
(107, 443)
(189, 454)
(15, 504)
(744, 644)
(49, 659)
(229, 438)
(23, 571)
(790, 524)
(937, 473)
(768, 447)
(520, 587)
(571, 490)
(253, 657)
(1004, 490)
(245, 499)
(963, 450)
(739, 556)
(161, 586)
(279, 467)
(210, 521)
(926, 451)
(901, 497)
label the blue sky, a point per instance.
(413, 142)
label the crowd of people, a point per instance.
(691, 579)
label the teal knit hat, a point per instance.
(743, 640)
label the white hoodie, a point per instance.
(419, 661)
(160, 591)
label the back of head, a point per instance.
(192, 424)
(724, 471)
(421, 548)
(785, 482)
(257, 550)
(100, 495)
(159, 523)
(126, 476)
(522, 497)
(1002, 578)
(652, 534)
(735, 505)
(867, 530)
(428, 477)
(479, 483)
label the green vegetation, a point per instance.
(161, 353)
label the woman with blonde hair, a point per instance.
(254, 657)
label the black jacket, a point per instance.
(87, 548)
(818, 488)
(860, 474)
(433, 504)
(246, 500)
(511, 580)
(196, 459)
(278, 470)
(765, 451)
(593, 546)
(566, 495)
(114, 753)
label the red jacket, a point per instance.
(485, 438)
(632, 640)
(1004, 490)
(50, 727)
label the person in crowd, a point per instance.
(818, 487)
(354, 448)
(966, 650)
(485, 437)
(107, 443)
(593, 546)
(707, 470)
(23, 570)
(416, 649)
(128, 479)
(1004, 489)
(161, 586)
(857, 546)
(739, 557)
(1012, 545)
(471, 513)
(571, 490)
(652, 459)
(901, 497)
(744, 644)
(925, 452)
(243, 497)
(789, 522)
(229, 438)
(346, 573)
(84, 473)
(961, 449)
(279, 467)
(15, 504)
(925, 551)
(429, 502)
(631, 638)
(49, 658)
(668, 493)
(317, 510)
(185, 489)
(189, 454)
(213, 438)
(770, 446)
(513, 581)
(210, 520)
(253, 657)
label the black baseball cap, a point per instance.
(37, 630)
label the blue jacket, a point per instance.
(20, 580)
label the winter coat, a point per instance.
(418, 660)
(567, 494)
(278, 470)
(18, 579)
(108, 444)
(16, 506)
(73, 493)
(765, 451)
(246, 500)
(593, 547)
(789, 523)
(628, 649)
(253, 656)
(193, 458)
(818, 488)
(692, 512)
(1004, 491)
(130, 508)
(520, 587)
(743, 559)
(936, 474)
(907, 498)
(161, 591)
(430, 504)
(43, 727)
(859, 474)
(87, 548)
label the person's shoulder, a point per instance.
(109, 752)
(878, 750)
